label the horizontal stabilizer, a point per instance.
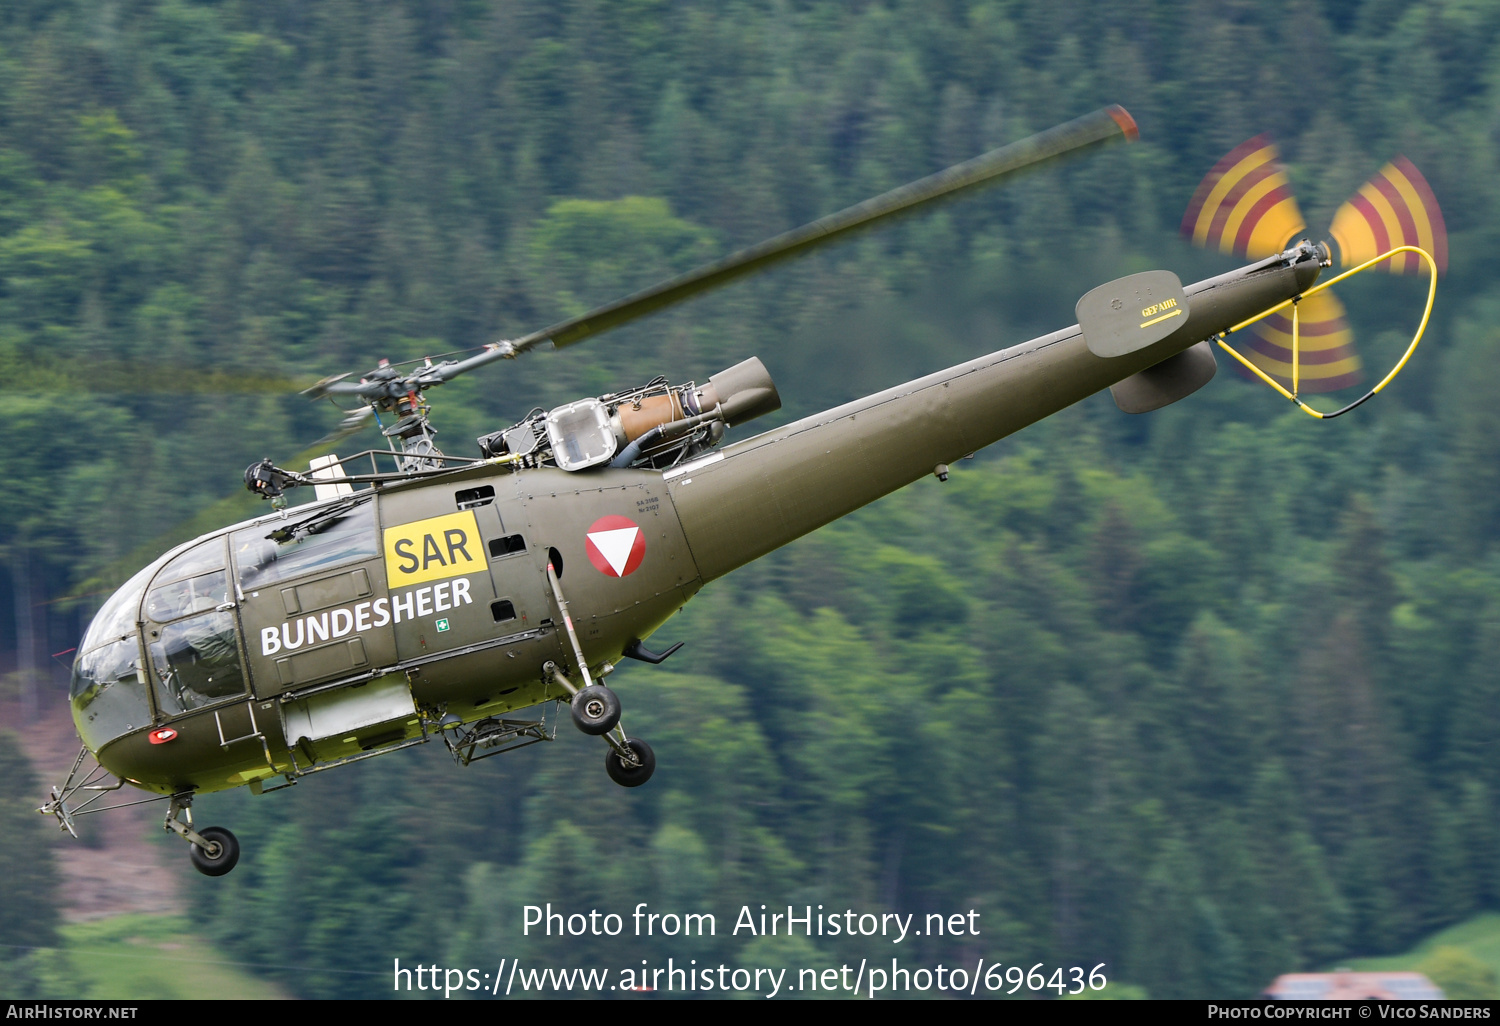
(1132, 312)
(1174, 378)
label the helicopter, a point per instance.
(425, 596)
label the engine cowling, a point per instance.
(657, 421)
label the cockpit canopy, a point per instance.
(183, 599)
(189, 654)
(108, 689)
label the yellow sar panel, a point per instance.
(429, 550)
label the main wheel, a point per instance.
(222, 853)
(631, 776)
(596, 710)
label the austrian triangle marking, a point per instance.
(615, 546)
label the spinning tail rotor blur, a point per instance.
(1245, 207)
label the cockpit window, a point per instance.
(109, 693)
(195, 561)
(197, 662)
(194, 595)
(277, 550)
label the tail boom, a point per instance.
(761, 493)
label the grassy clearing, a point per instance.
(1479, 937)
(145, 956)
(1464, 960)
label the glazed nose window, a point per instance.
(109, 693)
(116, 618)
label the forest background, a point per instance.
(1206, 695)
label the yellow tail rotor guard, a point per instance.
(1432, 270)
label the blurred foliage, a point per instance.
(1460, 975)
(1207, 695)
(131, 957)
(28, 920)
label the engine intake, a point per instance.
(745, 391)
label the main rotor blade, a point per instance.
(1102, 126)
(83, 375)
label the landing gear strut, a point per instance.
(629, 761)
(213, 852)
(596, 710)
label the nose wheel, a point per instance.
(214, 851)
(220, 854)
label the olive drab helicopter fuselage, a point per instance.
(439, 599)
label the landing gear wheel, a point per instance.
(631, 776)
(596, 710)
(222, 854)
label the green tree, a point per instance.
(29, 894)
(1460, 975)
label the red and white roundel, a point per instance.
(616, 545)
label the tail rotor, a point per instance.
(1245, 207)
